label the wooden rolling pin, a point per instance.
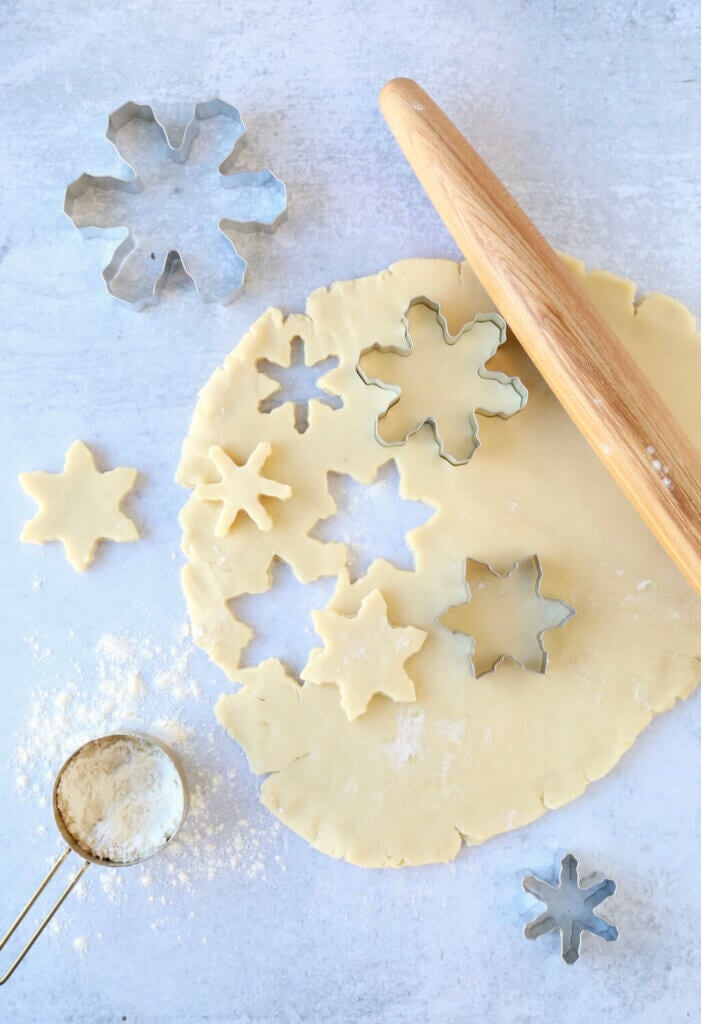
(585, 364)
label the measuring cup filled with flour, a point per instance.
(117, 801)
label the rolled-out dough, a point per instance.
(406, 783)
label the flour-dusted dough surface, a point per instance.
(470, 758)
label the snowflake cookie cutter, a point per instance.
(450, 339)
(533, 561)
(570, 908)
(261, 212)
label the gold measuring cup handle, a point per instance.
(23, 913)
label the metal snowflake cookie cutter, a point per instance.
(570, 907)
(514, 383)
(540, 662)
(259, 199)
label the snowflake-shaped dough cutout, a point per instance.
(506, 615)
(79, 506)
(189, 191)
(570, 908)
(420, 397)
(363, 655)
(241, 488)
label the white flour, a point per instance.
(121, 799)
(137, 682)
(409, 737)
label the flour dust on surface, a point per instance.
(138, 683)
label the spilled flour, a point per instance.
(137, 683)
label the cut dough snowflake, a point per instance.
(507, 615)
(241, 488)
(364, 655)
(79, 506)
(419, 393)
(570, 908)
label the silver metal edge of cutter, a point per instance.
(131, 111)
(450, 339)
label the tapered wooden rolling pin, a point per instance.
(583, 361)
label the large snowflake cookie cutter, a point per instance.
(502, 396)
(570, 908)
(258, 200)
(551, 612)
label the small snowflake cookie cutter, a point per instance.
(406, 350)
(252, 215)
(570, 907)
(533, 563)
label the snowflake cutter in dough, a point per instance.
(570, 908)
(419, 397)
(79, 506)
(363, 655)
(241, 488)
(189, 187)
(293, 384)
(499, 603)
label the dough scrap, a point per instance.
(79, 506)
(363, 655)
(406, 783)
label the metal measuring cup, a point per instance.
(73, 845)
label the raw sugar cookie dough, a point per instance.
(79, 506)
(447, 756)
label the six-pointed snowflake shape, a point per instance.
(372, 520)
(363, 655)
(289, 601)
(506, 615)
(298, 384)
(173, 203)
(570, 908)
(440, 379)
(241, 488)
(79, 506)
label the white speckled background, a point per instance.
(590, 114)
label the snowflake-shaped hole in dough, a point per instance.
(173, 201)
(298, 384)
(372, 520)
(281, 617)
(507, 615)
(419, 392)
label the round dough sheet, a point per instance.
(406, 781)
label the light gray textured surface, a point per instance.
(589, 112)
